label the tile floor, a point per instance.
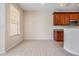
(38, 48)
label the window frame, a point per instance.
(14, 19)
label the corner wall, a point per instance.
(38, 25)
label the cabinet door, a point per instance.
(66, 19)
(58, 19)
(73, 16)
(78, 16)
(62, 22)
(59, 35)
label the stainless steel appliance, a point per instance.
(74, 22)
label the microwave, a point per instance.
(73, 22)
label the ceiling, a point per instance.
(48, 7)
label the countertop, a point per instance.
(65, 27)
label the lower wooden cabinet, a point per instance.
(59, 35)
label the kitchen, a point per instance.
(66, 30)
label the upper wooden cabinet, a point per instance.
(58, 19)
(66, 19)
(63, 18)
(73, 16)
(78, 17)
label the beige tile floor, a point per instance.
(38, 48)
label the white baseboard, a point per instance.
(72, 52)
(38, 39)
(1, 52)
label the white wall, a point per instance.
(37, 25)
(11, 41)
(2, 27)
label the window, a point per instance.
(14, 21)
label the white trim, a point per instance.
(2, 52)
(37, 39)
(72, 52)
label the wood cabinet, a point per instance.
(66, 19)
(73, 16)
(59, 35)
(58, 19)
(63, 18)
(78, 17)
